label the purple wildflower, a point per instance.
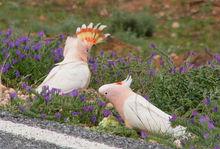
(93, 119)
(8, 32)
(82, 98)
(37, 57)
(217, 147)
(152, 46)
(207, 101)
(11, 44)
(215, 109)
(101, 103)
(183, 69)
(6, 68)
(106, 113)
(203, 119)
(62, 36)
(173, 118)
(37, 47)
(119, 119)
(40, 34)
(101, 53)
(111, 63)
(17, 74)
(143, 135)
(152, 72)
(48, 41)
(74, 93)
(206, 135)
(217, 58)
(192, 120)
(88, 108)
(211, 125)
(26, 48)
(75, 113)
(43, 115)
(58, 115)
(26, 87)
(13, 95)
(194, 113)
(113, 54)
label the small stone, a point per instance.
(19, 92)
(109, 105)
(11, 90)
(175, 25)
(7, 96)
(6, 91)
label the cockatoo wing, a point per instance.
(67, 77)
(143, 115)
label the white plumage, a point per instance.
(142, 114)
(72, 73)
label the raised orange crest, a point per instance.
(91, 35)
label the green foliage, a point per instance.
(141, 24)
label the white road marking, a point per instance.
(53, 137)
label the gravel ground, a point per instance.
(111, 140)
(9, 141)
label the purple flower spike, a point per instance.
(62, 36)
(37, 57)
(106, 113)
(211, 125)
(120, 120)
(152, 46)
(182, 69)
(194, 113)
(217, 58)
(207, 101)
(215, 109)
(88, 108)
(58, 115)
(9, 32)
(41, 34)
(93, 119)
(143, 135)
(74, 93)
(101, 103)
(17, 74)
(217, 147)
(37, 47)
(173, 118)
(203, 119)
(82, 98)
(74, 113)
(13, 95)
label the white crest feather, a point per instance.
(90, 25)
(127, 82)
(101, 27)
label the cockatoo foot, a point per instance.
(127, 124)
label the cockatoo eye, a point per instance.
(106, 93)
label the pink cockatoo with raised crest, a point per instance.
(73, 72)
(136, 111)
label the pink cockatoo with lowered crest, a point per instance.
(73, 72)
(136, 111)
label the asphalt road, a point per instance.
(18, 132)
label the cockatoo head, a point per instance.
(86, 37)
(116, 91)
